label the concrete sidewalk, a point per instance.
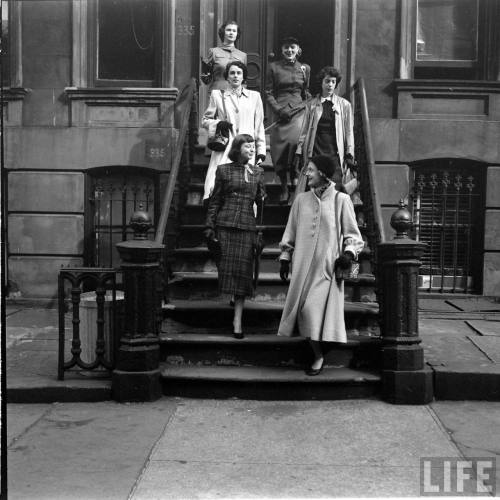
(181, 448)
(461, 339)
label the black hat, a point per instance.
(324, 164)
(288, 40)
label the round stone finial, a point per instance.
(401, 221)
(141, 223)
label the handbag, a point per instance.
(352, 272)
(215, 249)
(218, 141)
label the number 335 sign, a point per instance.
(185, 29)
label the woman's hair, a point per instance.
(240, 65)
(239, 140)
(329, 71)
(222, 29)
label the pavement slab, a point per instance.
(490, 345)
(484, 327)
(446, 341)
(81, 451)
(473, 427)
(250, 448)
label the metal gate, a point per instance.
(448, 212)
(114, 193)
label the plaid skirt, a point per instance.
(236, 264)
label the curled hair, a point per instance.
(222, 29)
(240, 65)
(329, 71)
(239, 140)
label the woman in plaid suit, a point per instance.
(231, 219)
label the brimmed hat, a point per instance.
(324, 164)
(288, 40)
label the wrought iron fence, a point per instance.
(115, 193)
(447, 213)
(89, 296)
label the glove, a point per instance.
(351, 162)
(224, 128)
(344, 261)
(284, 115)
(284, 269)
(259, 159)
(209, 234)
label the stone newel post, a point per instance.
(405, 380)
(137, 373)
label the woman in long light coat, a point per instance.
(321, 221)
(244, 114)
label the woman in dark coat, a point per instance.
(231, 219)
(287, 87)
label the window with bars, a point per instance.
(114, 193)
(448, 209)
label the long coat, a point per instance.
(343, 131)
(287, 87)
(315, 301)
(246, 113)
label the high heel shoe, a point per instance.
(238, 335)
(312, 372)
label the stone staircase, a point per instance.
(200, 358)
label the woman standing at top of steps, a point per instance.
(231, 220)
(232, 112)
(218, 57)
(321, 235)
(287, 89)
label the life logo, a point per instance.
(452, 476)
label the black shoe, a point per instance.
(238, 335)
(312, 372)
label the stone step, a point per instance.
(198, 259)
(199, 171)
(268, 383)
(262, 316)
(201, 285)
(273, 191)
(191, 235)
(262, 349)
(274, 214)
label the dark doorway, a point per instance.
(311, 22)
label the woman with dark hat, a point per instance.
(287, 87)
(214, 65)
(327, 129)
(321, 235)
(231, 219)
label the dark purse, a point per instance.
(218, 142)
(352, 272)
(215, 249)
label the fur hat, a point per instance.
(324, 164)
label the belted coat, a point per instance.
(246, 113)
(315, 301)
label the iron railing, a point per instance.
(369, 214)
(98, 341)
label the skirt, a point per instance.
(236, 265)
